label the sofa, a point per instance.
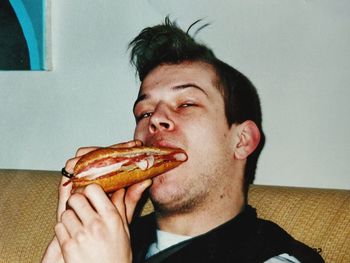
(28, 199)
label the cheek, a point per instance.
(211, 142)
(208, 131)
(140, 132)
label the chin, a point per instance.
(167, 183)
(162, 188)
(165, 192)
(171, 198)
(171, 205)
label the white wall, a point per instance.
(295, 52)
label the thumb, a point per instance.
(64, 194)
(132, 197)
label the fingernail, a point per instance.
(146, 183)
(138, 142)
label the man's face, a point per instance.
(180, 106)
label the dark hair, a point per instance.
(168, 44)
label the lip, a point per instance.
(164, 143)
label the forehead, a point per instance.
(167, 75)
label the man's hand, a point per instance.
(65, 191)
(90, 212)
(95, 229)
(53, 253)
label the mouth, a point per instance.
(164, 143)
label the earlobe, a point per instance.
(248, 135)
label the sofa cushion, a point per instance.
(28, 213)
(28, 200)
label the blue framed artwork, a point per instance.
(24, 35)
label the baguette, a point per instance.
(115, 168)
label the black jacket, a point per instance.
(245, 238)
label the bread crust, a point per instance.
(116, 180)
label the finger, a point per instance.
(71, 222)
(128, 144)
(61, 234)
(65, 190)
(78, 190)
(70, 164)
(82, 208)
(69, 167)
(64, 194)
(53, 253)
(118, 201)
(84, 150)
(99, 200)
(132, 197)
(73, 161)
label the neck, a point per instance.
(216, 210)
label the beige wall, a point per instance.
(296, 52)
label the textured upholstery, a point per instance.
(318, 217)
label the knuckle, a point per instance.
(58, 227)
(91, 188)
(70, 163)
(84, 150)
(113, 217)
(97, 227)
(69, 245)
(80, 236)
(80, 151)
(74, 198)
(67, 215)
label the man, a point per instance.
(189, 99)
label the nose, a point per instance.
(161, 120)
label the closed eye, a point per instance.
(143, 116)
(185, 105)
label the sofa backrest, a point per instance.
(319, 218)
(28, 200)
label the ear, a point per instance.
(248, 138)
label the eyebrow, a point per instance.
(174, 88)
